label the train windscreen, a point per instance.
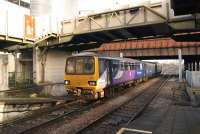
(80, 65)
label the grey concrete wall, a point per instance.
(50, 68)
(6, 65)
(53, 62)
(55, 65)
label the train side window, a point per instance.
(129, 66)
(121, 66)
(70, 68)
(115, 67)
(132, 66)
(141, 66)
(137, 66)
(126, 66)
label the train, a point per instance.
(92, 76)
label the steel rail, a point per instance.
(63, 116)
(37, 113)
(141, 110)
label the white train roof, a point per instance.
(112, 58)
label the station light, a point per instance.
(67, 82)
(92, 83)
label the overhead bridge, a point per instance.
(163, 48)
(154, 20)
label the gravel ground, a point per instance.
(90, 116)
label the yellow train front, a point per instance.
(81, 76)
(93, 76)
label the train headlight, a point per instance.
(92, 83)
(67, 82)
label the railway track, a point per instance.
(31, 119)
(39, 120)
(78, 120)
(32, 112)
(19, 92)
(124, 115)
(67, 113)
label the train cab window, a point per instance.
(84, 65)
(70, 68)
(89, 65)
(79, 65)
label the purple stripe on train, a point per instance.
(124, 76)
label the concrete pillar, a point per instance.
(3, 72)
(6, 66)
(18, 67)
(195, 65)
(37, 65)
(180, 65)
(191, 66)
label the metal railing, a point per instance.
(140, 15)
(20, 80)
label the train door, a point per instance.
(104, 73)
(108, 70)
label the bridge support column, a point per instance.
(7, 64)
(38, 65)
(180, 65)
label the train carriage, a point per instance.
(92, 76)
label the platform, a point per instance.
(166, 116)
(22, 101)
(37, 100)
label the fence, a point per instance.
(193, 78)
(20, 80)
